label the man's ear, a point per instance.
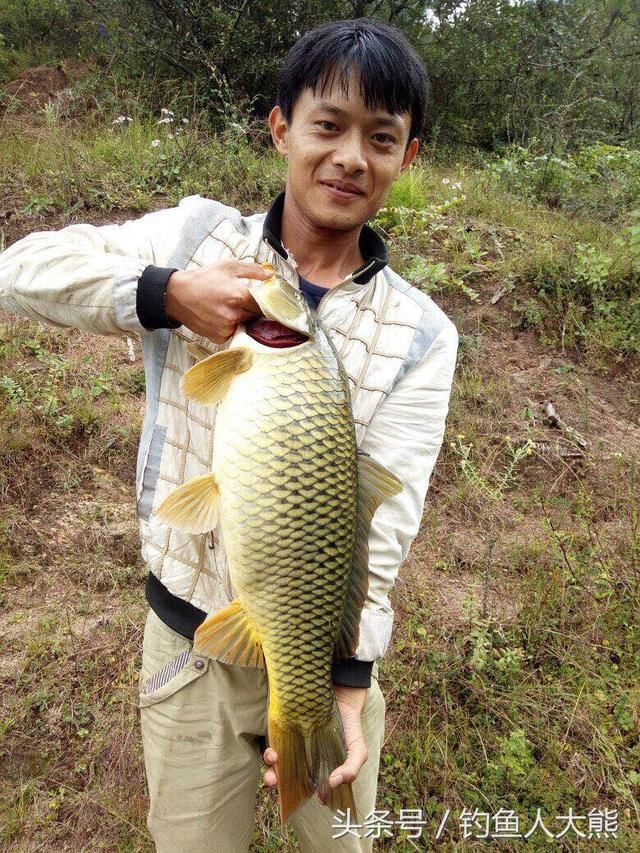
(279, 129)
(410, 154)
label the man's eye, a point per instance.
(384, 138)
(327, 125)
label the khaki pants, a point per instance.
(202, 722)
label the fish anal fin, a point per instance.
(229, 636)
(375, 485)
(208, 381)
(193, 506)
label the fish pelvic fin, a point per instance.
(193, 506)
(229, 636)
(208, 381)
(375, 485)
(305, 762)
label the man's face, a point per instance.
(343, 158)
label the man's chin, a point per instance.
(337, 220)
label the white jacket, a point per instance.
(397, 345)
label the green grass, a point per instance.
(571, 273)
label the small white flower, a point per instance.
(155, 143)
(165, 120)
(185, 121)
(165, 112)
(446, 181)
(170, 136)
(119, 120)
(456, 186)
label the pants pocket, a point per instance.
(168, 663)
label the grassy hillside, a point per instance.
(512, 679)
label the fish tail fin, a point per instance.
(292, 768)
(305, 762)
(328, 751)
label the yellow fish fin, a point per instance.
(198, 351)
(305, 762)
(229, 636)
(375, 485)
(193, 506)
(208, 381)
(329, 752)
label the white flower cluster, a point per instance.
(168, 117)
(122, 120)
(455, 186)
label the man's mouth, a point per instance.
(343, 189)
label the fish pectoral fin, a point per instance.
(375, 485)
(193, 506)
(208, 381)
(229, 636)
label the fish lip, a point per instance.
(344, 186)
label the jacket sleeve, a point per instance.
(405, 436)
(87, 276)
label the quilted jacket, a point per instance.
(398, 347)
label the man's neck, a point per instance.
(323, 255)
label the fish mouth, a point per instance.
(273, 334)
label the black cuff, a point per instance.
(151, 298)
(352, 672)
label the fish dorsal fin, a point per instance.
(193, 506)
(208, 381)
(375, 485)
(229, 636)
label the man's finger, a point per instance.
(241, 269)
(348, 771)
(250, 307)
(270, 755)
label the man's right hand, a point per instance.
(211, 301)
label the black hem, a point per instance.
(352, 672)
(178, 614)
(151, 297)
(185, 619)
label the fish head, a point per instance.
(283, 303)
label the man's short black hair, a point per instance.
(392, 77)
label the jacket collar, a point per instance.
(371, 244)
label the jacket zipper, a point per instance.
(331, 290)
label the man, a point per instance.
(350, 108)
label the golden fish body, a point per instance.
(294, 499)
(286, 465)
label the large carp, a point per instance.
(294, 499)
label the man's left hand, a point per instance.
(351, 701)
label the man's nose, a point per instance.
(350, 154)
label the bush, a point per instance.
(603, 180)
